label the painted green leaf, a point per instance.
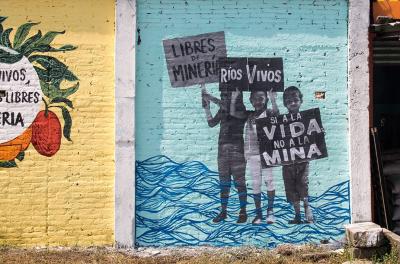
(5, 38)
(10, 58)
(57, 70)
(67, 48)
(69, 76)
(67, 123)
(62, 100)
(53, 66)
(47, 62)
(22, 33)
(49, 90)
(37, 48)
(67, 92)
(8, 164)
(2, 19)
(29, 43)
(21, 156)
(45, 88)
(41, 59)
(43, 74)
(49, 37)
(43, 44)
(48, 48)
(41, 48)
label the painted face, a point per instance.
(293, 102)
(258, 100)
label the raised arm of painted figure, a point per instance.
(215, 100)
(233, 111)
(272, 98)
(211, 98)
(211, 120)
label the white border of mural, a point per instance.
(125, 92)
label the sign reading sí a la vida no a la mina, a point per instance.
(291, 138)
(193, 60)
(249, 74)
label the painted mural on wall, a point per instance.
(238, 150)
(259, 138)
(34, 85)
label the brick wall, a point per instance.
(311, 37)
(67, 199)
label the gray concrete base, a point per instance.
(365, 235)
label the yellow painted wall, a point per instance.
(68, 199)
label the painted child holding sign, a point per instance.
(231, 163)
(259, 100)
(295, 176)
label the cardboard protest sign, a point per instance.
(249, 74)
(193, 60)
(291, 138)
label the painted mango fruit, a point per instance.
(10, 150)
(46, 133)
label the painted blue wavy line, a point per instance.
(175, 203)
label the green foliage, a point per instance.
(7, 57)
(22, 33)
(49, 37)
(21, 156)
(67, 122)
(52, 91)
(29, 43)
(5, 38)
(8, 164)
(391, 257)
(68, 91)
(62, 100)
(53, 70)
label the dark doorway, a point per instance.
(386, 121)
(386, 93)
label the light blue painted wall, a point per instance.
(311, 37)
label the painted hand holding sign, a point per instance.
(26, 79)
(292, 140)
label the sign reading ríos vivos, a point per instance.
(251, 74)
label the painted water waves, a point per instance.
(175, 204)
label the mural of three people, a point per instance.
(236, 151)
(259, 139)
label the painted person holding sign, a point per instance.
(259, 100)
(295, 176)
(231, 162)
